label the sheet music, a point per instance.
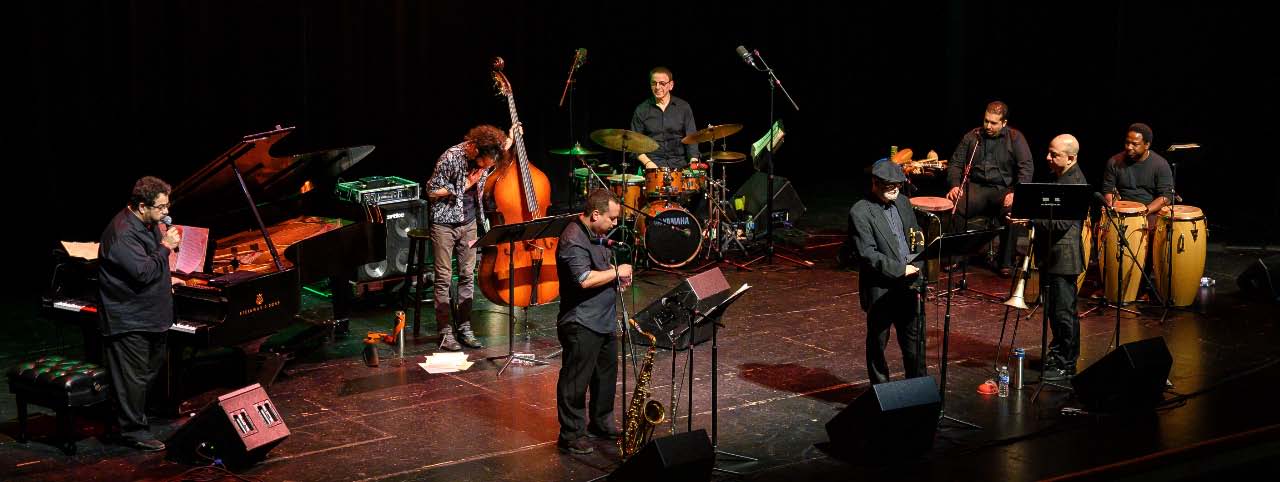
(778, 134)
(77, 249)
(191, 250)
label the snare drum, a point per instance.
(626, 187)
(1190, 240)
(673, 237)
(1133, 220)
(662, 183)
(693, 179)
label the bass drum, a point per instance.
(671, 234)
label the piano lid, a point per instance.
(268, 178)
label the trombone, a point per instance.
(1016, 299)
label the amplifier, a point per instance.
(377, 190)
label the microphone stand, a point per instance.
(1123, 239)
(774, 84)
(963, 284)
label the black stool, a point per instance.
(419, 240)
(60, 384)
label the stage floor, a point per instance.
(790, 358)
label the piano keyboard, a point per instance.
(75, 306)
(183, 327)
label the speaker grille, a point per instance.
(400, 218)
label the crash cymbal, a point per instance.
(622, 139)
(576, 150)
(728, 157)
(712, 133)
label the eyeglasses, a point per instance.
(160, 207)
(661, 83)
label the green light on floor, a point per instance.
(323, 294)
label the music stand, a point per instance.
(1049, 202)
(967, 243)
(510, 233)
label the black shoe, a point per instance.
(607, 434)
(1056, 374)
(147, 445)
(576, 446)
(1005, 272)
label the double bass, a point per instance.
(521, 193)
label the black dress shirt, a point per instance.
(576, 257)
(133, 277)
(667, 127)
(1000, 161)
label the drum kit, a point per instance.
(658, 206)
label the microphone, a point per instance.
(606, 242)
(746, 57)
(168, 222)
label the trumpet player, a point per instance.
(883, 229)
(1060, 258)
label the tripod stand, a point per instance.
(960, 244)
(719, 230)
(1169, 292)
(965, 193)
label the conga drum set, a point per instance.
(1178, 243)
(658, 205)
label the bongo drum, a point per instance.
(1189, 243)
(1132, 218)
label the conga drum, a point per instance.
(939, 207)
(1086, 240)
(1186, 261)
(626, 187)
(1132, 218)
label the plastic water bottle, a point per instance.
(1004, 381)
(1019, 355)
(751, 225)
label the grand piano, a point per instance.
(247, 290)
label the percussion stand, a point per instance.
(716, 194)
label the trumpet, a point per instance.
(1015, 299)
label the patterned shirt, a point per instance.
(451, 174)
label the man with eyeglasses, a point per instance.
(884, 232)
(666, 119)
(137, 303)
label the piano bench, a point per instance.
(62, 385)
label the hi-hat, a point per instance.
(712, 133)
(728, 157)
(622, 139)
(576, 150)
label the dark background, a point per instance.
(105, 92)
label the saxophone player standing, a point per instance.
(589, 286)
(882, 227)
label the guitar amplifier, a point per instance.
(377, 190)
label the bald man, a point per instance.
(1060, 257)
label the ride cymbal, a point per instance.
(712, 133)
(624, 140)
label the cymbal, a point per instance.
(618, 139)
(728, 157)
(576, 150)
(712, 133)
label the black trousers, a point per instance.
(986, 201)
(590, 364)
(133, 359)
(898, 309)
(1064, 322)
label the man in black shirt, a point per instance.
(1001, 159)
(884, 233)
(666, 119)
(586, 324)
(137, 303)
(1139, 174)
(1059, 254)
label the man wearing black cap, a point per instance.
(885, 236)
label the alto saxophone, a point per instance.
(643, 414)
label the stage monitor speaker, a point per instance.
(1130, 378)
(898, 418)
(239, 428)
(400, 218)
(785, 197)
(668, 317)
(1262, 279)
(683, 457)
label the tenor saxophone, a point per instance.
(643, 413)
